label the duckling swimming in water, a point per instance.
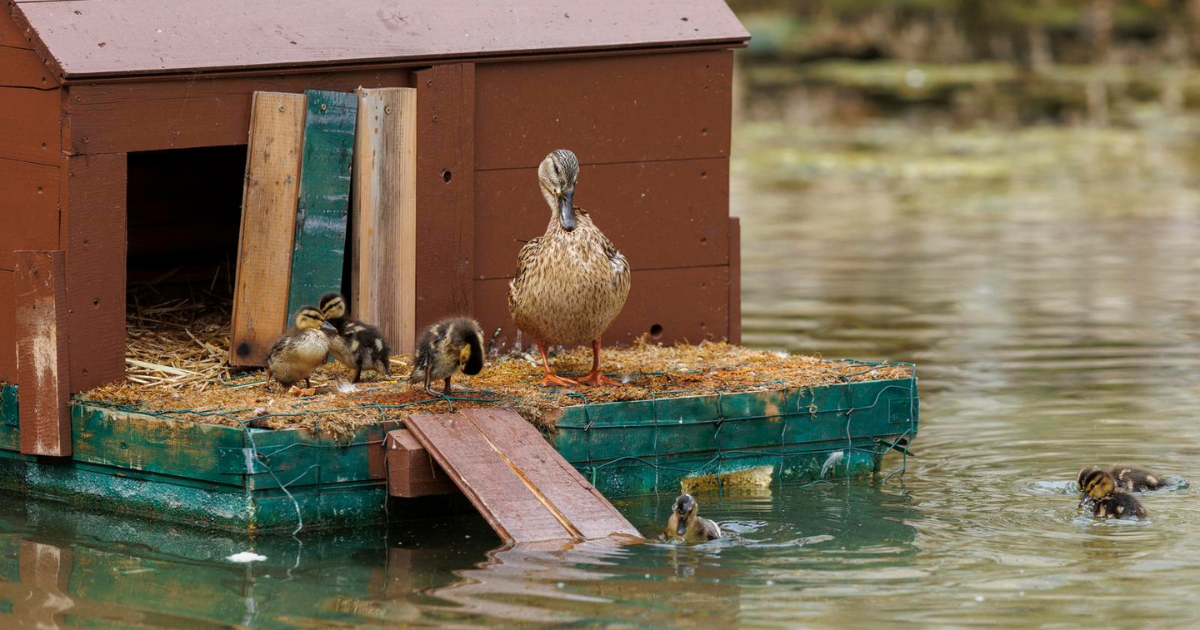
(362, 345)
(1106, 499)
(300, 350)
(1128, 478)
(445, 348)
(686, 524)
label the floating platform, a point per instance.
(208, 467)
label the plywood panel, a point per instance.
(606, 109)
(319, 253)
(540, 465)
(10, 35)
(157, 36)
(8, 335)
(659, 214)
(384, 267)
(29, 125)
(28, 207)
(23, 68)
(198, 112)
(445, 191)
(268, 226)
(688, 304)
(39, 285)
(92, 233)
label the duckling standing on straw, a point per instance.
(362, 345)
(447, 347)
(301, 350)
(685, 523)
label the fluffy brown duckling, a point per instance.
(685, 523)
(361, 345)
(1106, 499)
(1128, 478)
(447, 347)
(300, 350)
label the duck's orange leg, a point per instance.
(596, 377)
(552, 379)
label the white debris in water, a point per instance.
(246, 556)
(647, 576)
(831, 461)
(979, 598)
(770, 582)
(914, 78)
(560, 585)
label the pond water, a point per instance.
(1045, 282)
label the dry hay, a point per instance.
(179, 345)
(647, 370)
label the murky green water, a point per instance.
(1045, 281)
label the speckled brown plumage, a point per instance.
(445, 348)
(358, 346)
(301, 350)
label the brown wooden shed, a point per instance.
(123, 131)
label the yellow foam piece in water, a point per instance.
(757, 477)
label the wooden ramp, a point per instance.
(521, 485)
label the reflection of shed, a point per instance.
(123, 129)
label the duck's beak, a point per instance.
(327, 326)
(566, 210)
(681, 526)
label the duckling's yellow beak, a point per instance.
(464, 355)
(566, 210)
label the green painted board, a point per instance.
(324, 206)
(8, 406)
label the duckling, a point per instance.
(447, 347)
(362, 345)
(300, 350)
(1106, 499)
(1128, 478)
(684, 522)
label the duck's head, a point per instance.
(1084, 473)
(1095, 484)
(557, 175)
(685, 510)
(332, 305)
(466, 338)
(309, 318)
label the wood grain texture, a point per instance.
(659, 214)
(11, 35)
(605, 109)
(30, 196)
(690, 304)
(162, 36)
(92, 233)
(22, 68)
(197, 112)
(43, 371)
(268, 226)
(30, 130)
(411, 471)
(319, 252)
(384, 215)
(540, 465)
(8, 332)
(491, 485)
(735, 281)
(445, 192)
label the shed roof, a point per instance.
(95, 38)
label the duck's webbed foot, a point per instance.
(598, 378)
(554, 380)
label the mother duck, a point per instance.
(571, 282)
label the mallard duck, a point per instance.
(447, 347)
(571, 282)
(1128, 478)
(686, 524)
(300, 350)
(362, 345)
(1106, 499)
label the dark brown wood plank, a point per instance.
(29, 125)
(11, 36)
(42, 359)
(197, 112)
(499, 494)
(22, 68)
(572, 496)
(735, 281)
(605, 109)
(659, 214)
(445, 192)
(28, 191)
(690, 304)
(115, 37)
(92, 233)
(411, 471)
(8, 333)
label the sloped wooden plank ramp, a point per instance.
(521, 485)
